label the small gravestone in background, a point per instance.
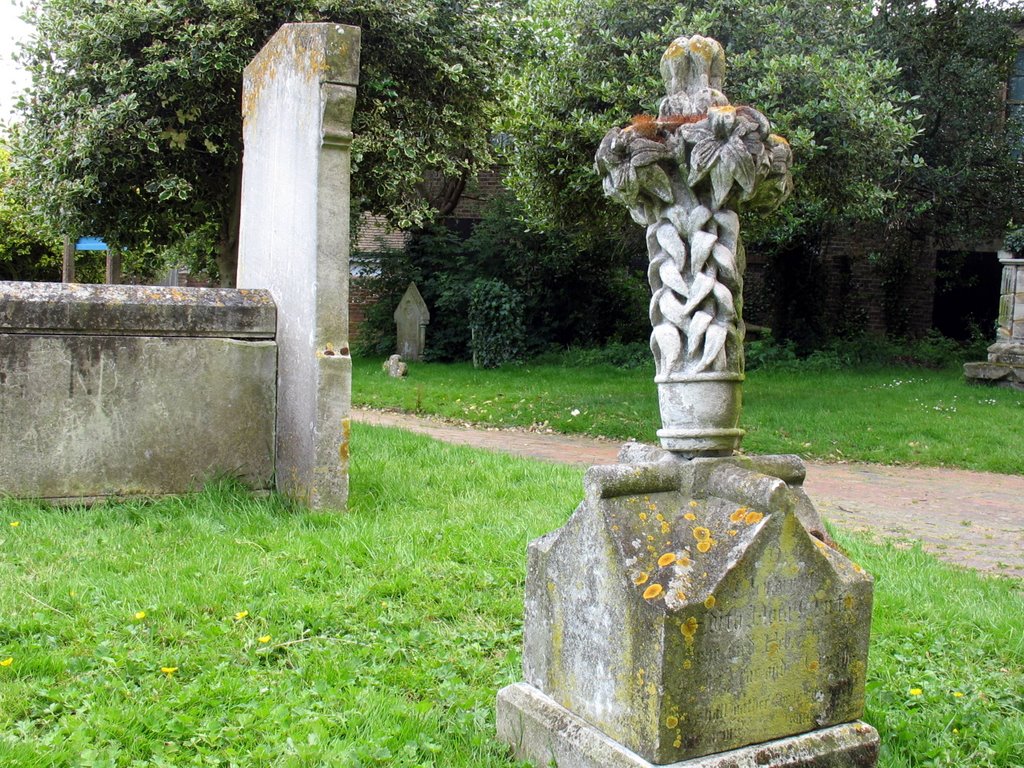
(412, 318)
(1005, 364)
(395, 368)
(691, 612)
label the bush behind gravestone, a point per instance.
(496, 325)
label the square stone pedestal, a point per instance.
(545, 733)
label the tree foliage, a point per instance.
(132, 125)
(808, 66)
(956, 57)
(26, 251)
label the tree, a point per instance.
(807, 65)
(132, 125)
(26, 253)
(956, 57)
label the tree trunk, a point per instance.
(227, 256)
(68, 272)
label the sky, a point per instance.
(13, 79)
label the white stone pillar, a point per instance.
(297, 103)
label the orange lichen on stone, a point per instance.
(665, 528)
(704, 546)
(680, 595)
(813, 666)
(643, 515)
(689, 628)
(732, 532)
(738, 515)
(641, 579)
(687, 664)
(709, 602)
(690, 516)
(753, 517)
(653, 591)
(700, 533)
(671, 721)
(857, 568)
(693, 504)
(667, 559)
(685, 561)
(659, 517)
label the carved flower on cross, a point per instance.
(729, 146)
(628, 164)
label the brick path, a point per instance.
(973, 519)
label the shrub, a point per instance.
(496, 324)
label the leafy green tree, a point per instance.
(26, 252)
(808, 66)
(132, 125)
(956, 57)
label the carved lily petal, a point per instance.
(653, 180)
(667, 347)
(644, 152)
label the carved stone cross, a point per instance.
(684, 175)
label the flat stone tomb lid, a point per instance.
(136, 310)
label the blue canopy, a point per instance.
(91, 244)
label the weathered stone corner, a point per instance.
(685, 609)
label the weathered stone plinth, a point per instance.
(685, 610)
(1005, 364)
(541, 730)
(298, 98)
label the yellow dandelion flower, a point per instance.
(652, 591)
(690, 516)
(916, 691)
(241, 615)
(7, 662)
(641, 579)
(264, 638)
(700, 533)
(140, 615)
(667, 559)
(168, 670)
(15, 523)
(958, 694)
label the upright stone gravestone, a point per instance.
(298, 99)
(691, 612)
(1005, 364)
(412, 318)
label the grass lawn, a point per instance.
(225, 630)
(888, 415)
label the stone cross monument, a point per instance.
(692, 611)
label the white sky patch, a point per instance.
(13, 79)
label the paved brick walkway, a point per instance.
(973, 519)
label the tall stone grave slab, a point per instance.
(298, 98)
(692, 612)
(411, 318)
(1005, 364)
